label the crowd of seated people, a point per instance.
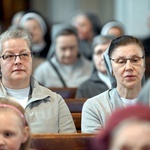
(104, 65)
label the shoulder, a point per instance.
(99, 99)
(145, 94)
(85, 84)
(42, 92)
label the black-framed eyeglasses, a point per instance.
(122, 61)
(25, 56)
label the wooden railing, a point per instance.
(76, 141)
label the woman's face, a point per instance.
(16, 70)
(98, 57)
(128, 73)
(12, 131)
(84, 27)
(35, 29)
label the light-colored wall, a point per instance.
(133, 13)
(63, 10)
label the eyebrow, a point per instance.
(135, 55)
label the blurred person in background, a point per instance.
(66, 67)
(16, 18)
(114, 28)
(144, 94)
(39, 29)
(88, 25)
(99, 81)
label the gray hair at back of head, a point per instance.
(15, 34)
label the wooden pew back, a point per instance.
(75, 107)
(76, 141)
(65, 92)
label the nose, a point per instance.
(18, 60)
(2, 141)
(128, 65)
(68, 52)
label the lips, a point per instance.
(18, 70)
(129, 76)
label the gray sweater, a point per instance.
(46, 111)
(96, 110)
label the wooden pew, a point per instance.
(75, 106)
(65, 92)
(76, 141)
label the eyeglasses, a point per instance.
(122, 61)
(25, 56)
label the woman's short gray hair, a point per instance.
(19, 33)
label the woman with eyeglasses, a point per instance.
(46, 111)
(125, 64)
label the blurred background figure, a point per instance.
(39, 29)
(16, 18)
(114, 28)
(66, 67)
(99, 81)
(88, 25)
(126, 129)
(145, 92)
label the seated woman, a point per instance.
(14, 129)
(66, 67)
(99, 81)
(126, 129)
(88, 25)
(125, 65)
(39, 29)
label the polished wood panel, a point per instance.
(75, 106)
(65, 92)
(9, 7)
(76, 141)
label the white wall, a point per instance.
(63, 10)
(134, 14)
